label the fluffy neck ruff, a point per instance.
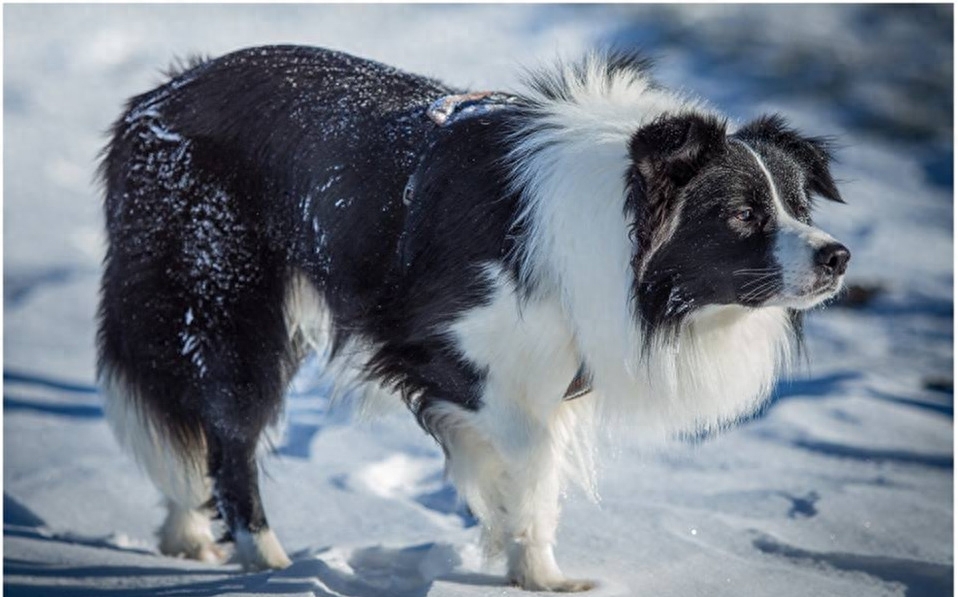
(569, 159)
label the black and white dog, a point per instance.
(480, 257)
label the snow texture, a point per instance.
(843, 486)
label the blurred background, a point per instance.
(843, 486)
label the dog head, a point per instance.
(724, 219)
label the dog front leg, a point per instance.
(531, 507)
(510, 480)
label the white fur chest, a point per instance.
(721, 366)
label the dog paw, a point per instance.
(209, 553)
(186, 534)
(260, 551)
(202, 551)
(555, 585)
(574, 585)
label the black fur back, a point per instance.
(242, 171)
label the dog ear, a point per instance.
(676, 147)
(812, 153)
(666, 155)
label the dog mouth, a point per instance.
(811, 296)
(819, 293)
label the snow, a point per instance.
(842, 486)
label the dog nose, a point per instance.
(833, 258)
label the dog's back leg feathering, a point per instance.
(228, 188)
(193, 347)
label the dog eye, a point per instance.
(745, 215)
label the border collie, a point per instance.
(481, 257)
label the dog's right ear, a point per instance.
(674, 148)
(666, 154)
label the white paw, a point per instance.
(186, 533)
(210, 553)
(260, 551)
(555, 584)
(532, 566)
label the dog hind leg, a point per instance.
(236, 487)
(177, 469)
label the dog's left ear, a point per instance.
(812, 153)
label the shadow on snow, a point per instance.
(921, 579)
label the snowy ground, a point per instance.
(842, 487)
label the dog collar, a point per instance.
(450, 108)
(581, 384)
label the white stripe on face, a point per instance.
(795, 246)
